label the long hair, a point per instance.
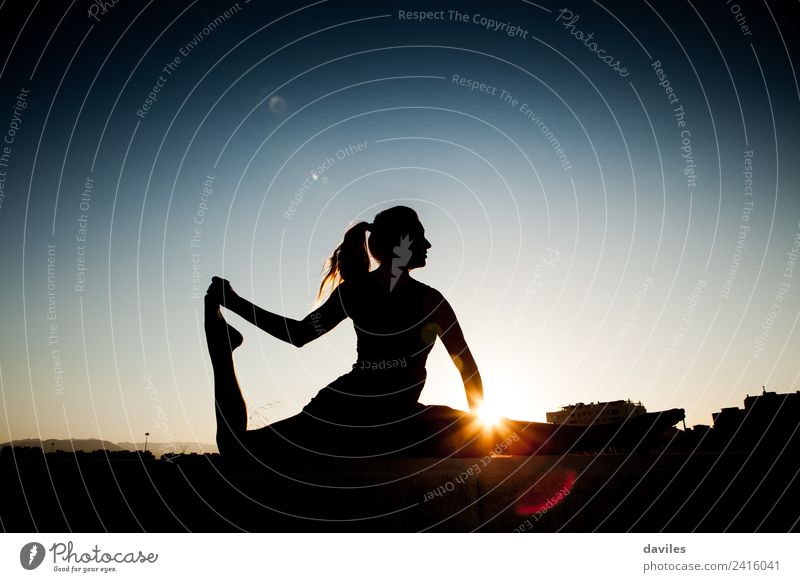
(352, 258)
(349, 260)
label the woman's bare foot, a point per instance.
(218, 331)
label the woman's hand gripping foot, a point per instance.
(218, 332)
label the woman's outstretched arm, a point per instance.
(452, 337)
(293, 331)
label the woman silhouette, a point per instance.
(373, 409)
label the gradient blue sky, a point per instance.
(611, 278)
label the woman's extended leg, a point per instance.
(529, 438)
(231, 411)
(443, 431)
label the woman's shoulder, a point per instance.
(355, 289)
(368, 284)
(431, 295)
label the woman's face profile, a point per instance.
(419, 247)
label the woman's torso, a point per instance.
(395, 330)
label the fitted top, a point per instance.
(395, 329)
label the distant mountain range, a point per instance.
(90, 445)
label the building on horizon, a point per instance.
(768, 421)
(581, 414)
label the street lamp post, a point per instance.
(146, 435)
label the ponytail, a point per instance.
(350, 259)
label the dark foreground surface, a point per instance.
(575, 493)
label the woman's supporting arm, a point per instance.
(283, 328)
(473, 385)
(297, 333)
(453, 339)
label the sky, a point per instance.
(610, 190)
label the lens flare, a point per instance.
(488, 416)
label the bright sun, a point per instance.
(488, 415)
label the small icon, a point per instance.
(31, 555)
(402, 254)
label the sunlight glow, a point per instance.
(488, 416)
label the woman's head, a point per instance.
(397, 234)
(397, 238)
